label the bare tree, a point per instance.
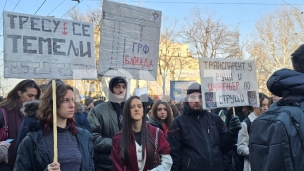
(94, 16)
(274, 41)
(210, 37)
(173, 55)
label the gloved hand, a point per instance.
(235, 125)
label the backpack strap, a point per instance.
(248, 123)
(297, 127)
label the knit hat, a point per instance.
(116, 80)
(88, 101)
(194, 87)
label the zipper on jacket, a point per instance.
(198, 116)
(208, 144)
(188, 165)
(208, 129)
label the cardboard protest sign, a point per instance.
(178, 90)
(46, 47)
(129, 42)
(228, 83)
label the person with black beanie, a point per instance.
(198, 138)
(106, 121)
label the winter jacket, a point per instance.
(81, 118)
(30, 119)
(158, 124)
(3, 153)
(163, 148)
(104, 126)
(31, 109)
(33, 156)
(243, 142)
(14, 120)
(289, 85)
(197, 140)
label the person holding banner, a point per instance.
(198, 138)
(75, 147)
(106, 121)
(139, 146)
(24, 91)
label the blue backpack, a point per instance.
(276, 140)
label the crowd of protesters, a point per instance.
(126, 134)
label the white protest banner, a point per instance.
(228, 83)
(129, 40)
(46, 47)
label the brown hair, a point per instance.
(45, 114)
(169, 119)
(13, 101)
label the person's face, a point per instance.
(29, 95)
(263, 107)
(91, 105)
(119, 90)
(161, 112)
(275, 98)
(195, 101)
(137, 110)
(66, 108)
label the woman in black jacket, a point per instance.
(75, 148)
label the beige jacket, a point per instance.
(243, 142)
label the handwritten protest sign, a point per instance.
(129, 41)
(228, 83)
(46, 47)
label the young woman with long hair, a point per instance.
(133, 148)
(162, 115)
(75, 147)
(24, 91)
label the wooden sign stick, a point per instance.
(55, 121)
(233, 111)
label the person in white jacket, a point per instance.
(243, 137)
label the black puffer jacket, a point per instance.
(288, 84)
(198, 140)
(33, 155)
